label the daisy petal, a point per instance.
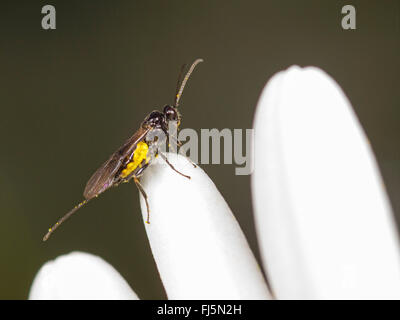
(199, 248)
(77, 276)
(323, 218)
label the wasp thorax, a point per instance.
(155, 119)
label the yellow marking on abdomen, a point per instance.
(139, 155)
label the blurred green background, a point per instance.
(71, 96)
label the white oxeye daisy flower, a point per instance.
(323, 219)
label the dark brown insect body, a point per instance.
(130, 160)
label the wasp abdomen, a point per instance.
(139, 156)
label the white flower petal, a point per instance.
(324, 222)
(77, 276)
(199, 248)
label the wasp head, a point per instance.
(171, 114)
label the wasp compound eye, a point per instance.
(170, 113)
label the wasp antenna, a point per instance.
(185, 79)
(65, 217)
(179, 80)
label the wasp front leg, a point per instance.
(179, 144)
(170, 164)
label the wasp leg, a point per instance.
(179, 144)
(172, 167)
(140, 188)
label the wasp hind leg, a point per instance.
(140, 188)
(172, 167)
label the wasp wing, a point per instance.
(104, 177)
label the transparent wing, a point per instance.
(104, 177)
